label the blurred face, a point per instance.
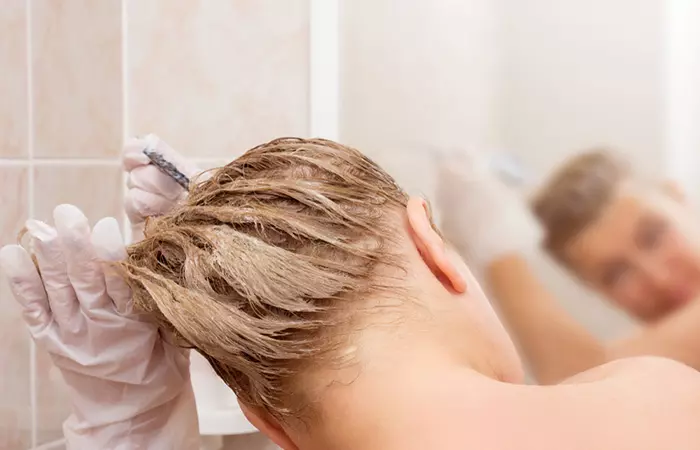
(637, 256)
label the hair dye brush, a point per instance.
(163, 164)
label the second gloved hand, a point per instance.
(151, 192)
(480, 215)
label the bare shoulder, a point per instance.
(651, 382)
(636, 404)
(639, 368)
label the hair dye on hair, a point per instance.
(268, 261)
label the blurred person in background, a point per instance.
(632, 240)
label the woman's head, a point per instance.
(279, 266)
(616, 234)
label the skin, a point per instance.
(638, 258)
(464, 377)
(637, 254)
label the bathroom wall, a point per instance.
(78, 76)
(14, 378)
(419, 74)
(683, 94)
(583, 73)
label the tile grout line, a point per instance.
(83, 162)
(68, 162)
(126, 229)
(33, 388)
(57, 162)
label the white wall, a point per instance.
(581, 73)
(416, 72)
(683, 100)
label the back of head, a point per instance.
(258, 268)
(576, 195)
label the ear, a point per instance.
(432, 247)
(674, 190)
(268, 426)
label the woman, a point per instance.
(326, 299)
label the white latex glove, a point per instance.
(151, 192)
(128, 388)
(480, 215)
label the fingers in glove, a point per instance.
(109, 247)
(135, 147)
(151, 179)
(140, 204)
(162, 147)
(133, 156)
(27, 287)
(84, 270)
(54, 273)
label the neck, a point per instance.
(417, 383)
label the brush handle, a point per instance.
(167, 168)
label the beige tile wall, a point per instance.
(76, 60)
(15, 414)
(96, 189)
(212, 78)
(248, 59)
(13, 82)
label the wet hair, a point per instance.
(576, 195)
(268, 262)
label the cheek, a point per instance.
(630, 295)
(679, 255)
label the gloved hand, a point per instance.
(151, 192)
(129, 389)
(480, 215)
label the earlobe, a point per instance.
(269, 427)
(431, 246)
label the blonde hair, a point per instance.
(268, 261)
(576, 195)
